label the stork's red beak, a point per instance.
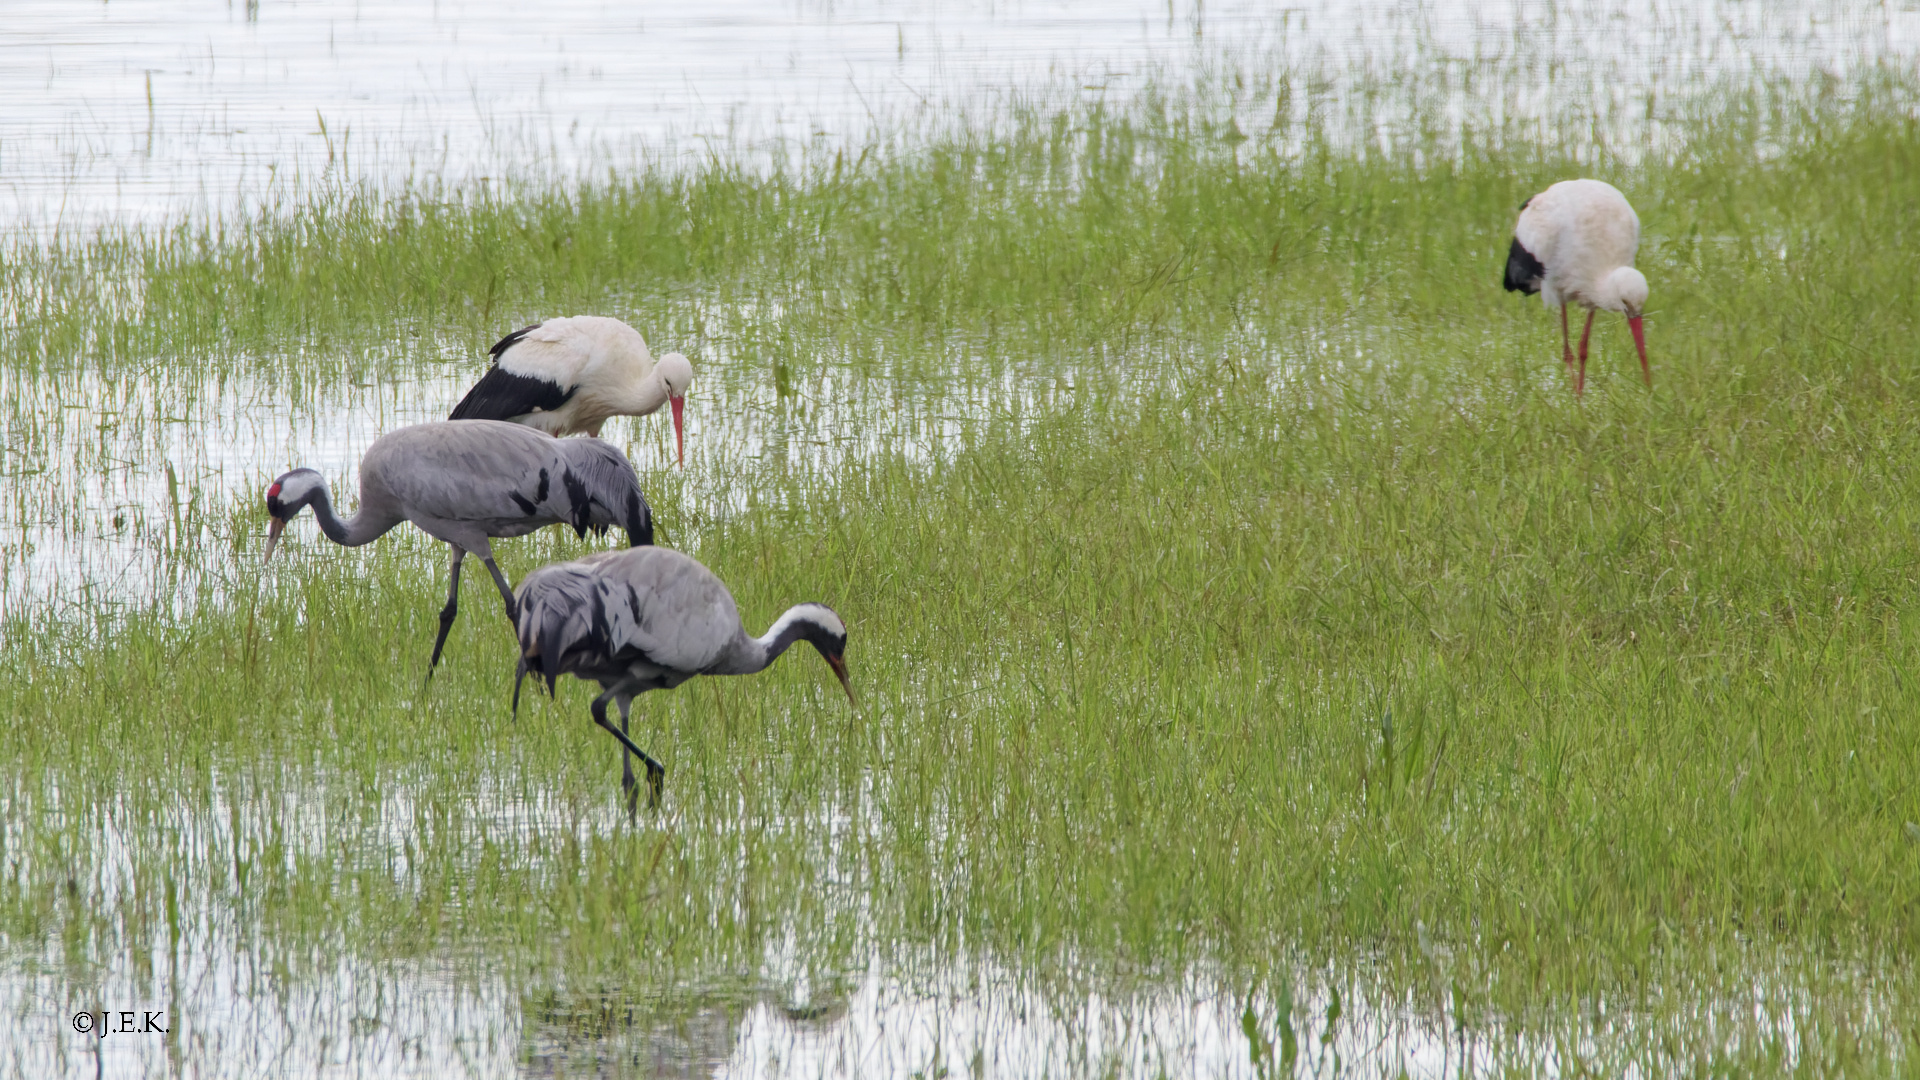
(273, 535)
(1640, 342)
(678, 404)
(839, 666)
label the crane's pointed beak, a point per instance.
(679, 405)
(1640, 342)
(273, 537)
(839, 666)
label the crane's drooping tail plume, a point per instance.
(600, 474)
(562, 611)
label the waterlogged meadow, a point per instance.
(1266, 664)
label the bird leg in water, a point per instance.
(656, 772)
(453, 607)
(625, 701)
(1580, 381)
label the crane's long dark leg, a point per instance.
(453, 606)
(1580, 381)
(506, 590)
(656, 773)
(627, 784)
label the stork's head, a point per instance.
(289, 495)
(1625, 291)
(821, 626)
(676, 375)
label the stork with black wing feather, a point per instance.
(1574, 244)
(567, 376)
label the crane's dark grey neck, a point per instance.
(800, 623)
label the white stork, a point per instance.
(467, 482)
(650, 619)
(567, 376)
(1574, 244)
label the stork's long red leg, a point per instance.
(1566, 339)
(1580, 382)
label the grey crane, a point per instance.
(567, 376)
(466, 482)
(650, 619)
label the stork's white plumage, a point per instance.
(1574, 244)
(650, 619)
(567, 376)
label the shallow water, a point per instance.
(145, 110)
(407, 1021)
(412, 1020)
(239, 997)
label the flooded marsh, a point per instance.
(1267, 666)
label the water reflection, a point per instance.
(605, 1034)
(981, 1019)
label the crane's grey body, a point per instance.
(467, 482)
(650, 619)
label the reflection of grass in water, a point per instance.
(1357, 637)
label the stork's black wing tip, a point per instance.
(511, 340)
(502, 395)
(1524, 272)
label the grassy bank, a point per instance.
(1273, 610)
